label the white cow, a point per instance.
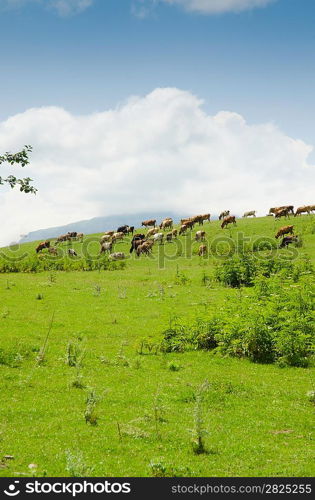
(158, 237)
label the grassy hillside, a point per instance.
(88, 385)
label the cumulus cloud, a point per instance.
(153, 153)
(63, 7)
(202, 6)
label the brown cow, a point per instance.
(282, 212)
(276, 209)
(63, 237)
(152, 231)
(202, 250)
(148, 223)
(166, 223)
(183, 229)
(301, 210)
(145, 247)
(172, 235)
(137, 240)
(183, 221)
(284, 230)
(228, 220)
(42, 245)
(206, 217)
(197, 219)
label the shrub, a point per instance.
(236, 271)
(273, 324)
(207, 332)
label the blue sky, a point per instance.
(259, 62)
(256, 62)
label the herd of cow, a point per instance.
(142, 243)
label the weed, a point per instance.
(173, 366)
(97, 291)
(75, 465)
(42, 353)
(90, 414)
(160, 469)
(77, 382)
(199, 431)
(74, 354)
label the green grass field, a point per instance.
(99, 398)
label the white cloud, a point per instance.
(63, 7)
(203, 6)
(157, 152)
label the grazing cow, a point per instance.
(80, 236)
(148, 223)
(72, 252)
(106, 246)
(287, 240)
(72, 234)
(202, 250)
(166, 223)
(63, 237)
(118, 236)
(223, 214)
(123, 229)
(290, 209)
(105, 237)
(200, 235)
(130, 229)
(301, 210)
(136, 240)
(252, 213)
(205, 217)
(197, 219)
(228, 220)
(117, 256)
(183, 221)
(284, 230)
(41, 246)
(145, 247)
(158, 237)
(190, 224)
(152, 231)
(169, 236)
(183, 229)
(174, 233)
(53, 251)
(136, 244)
(282, 212)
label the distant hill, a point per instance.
(97, 225)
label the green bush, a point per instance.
(44, 262)
(273, 324)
